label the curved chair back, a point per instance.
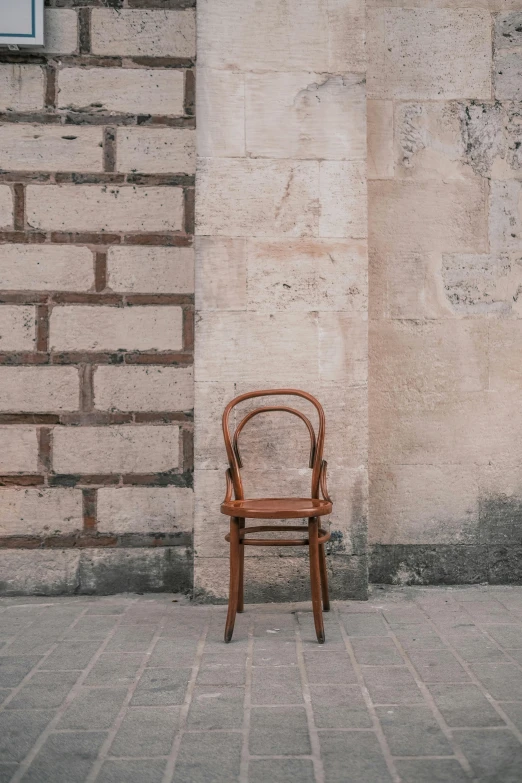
(232, 443)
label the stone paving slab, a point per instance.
(417, 685)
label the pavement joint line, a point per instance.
(377, 728)
(103, 752)
(38, 665)
(487, 695)
(305, 687)
(247, 705)
(36, 617)
(183, 715)
(29, 758)
(499, 646)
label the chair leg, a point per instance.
(315, 576)
(234, 578)
(324, 579)
(240, 600)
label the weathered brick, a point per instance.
(19, 452)
(61, 31)
(145, 510)
(127, 90)
(144, 32)
(40, 511)
(17, 328)
(144, 388)
(151, 270)
(104, 208)
(21, 87)
(126, 449)
(84, 328)
(6, 207)
(156, 150)
(45, 268)
(39, 389)
(26, 147)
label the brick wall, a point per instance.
(96, 314)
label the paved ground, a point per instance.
(417, 685)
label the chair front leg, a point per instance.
(233, 595)
(240, 599)
(324, 578)
(315, 576)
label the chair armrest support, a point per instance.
(322, 481)
(230, 486)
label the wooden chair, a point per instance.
(241, 508)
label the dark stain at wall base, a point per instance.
(426, 564)
(500, 518)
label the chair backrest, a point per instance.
(232, 443)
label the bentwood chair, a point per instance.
(240, 508)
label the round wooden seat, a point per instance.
(276, 508)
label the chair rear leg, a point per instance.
(240, 600)
(233, 595)
(315, 577)
(324, 578)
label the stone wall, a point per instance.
(445, 223)
(281, 271)
(97, 158)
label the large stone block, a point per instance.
(307, 274)
(39, 389)
(220, 109)
(136, 570)
(211, 399)
(423, 504)
(505, 216)
(505, 355)
(151, 270)
(380, 139)
(425, 53)
(141, 449)
(61, 31)
(46, 268)
(343, 349)
(17, 328)
(428, 216)
(221, 273)
(143, 388)
(21, 87)
(40, 511)
(99, 208)
(152, 33)
(86, 328)
(252, 197)
(288, 36)
(39, 571)
(483, 284)
(293, 115)
(50, 148)
(343, 200)
(145, 510)
(126, 90)
(19, 450)
(507, 76)
(153, 150)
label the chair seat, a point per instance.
(276, 508)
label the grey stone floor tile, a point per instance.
(502, 680)
(376, 650)
(134, 771)
(173, 652)
(70, 655)
(419, 638)
(438, 666)
(220, 670)
(391, 685)
(508, 636)
(329, 667)
(13, 668)
(146, 732)
(284, 654)
(489, 611)
(413, 731)
(364, 625)
(276, 686)
(353, 758)
(7, 771)
(478, 651)
(4, 693)
(107, 609)
(404, 615)
(431, 771)
(339, 707)
(131, 639)
(495, 756)
(94, 708)
(334, 638)
(279, 731)
(115, 669)
(464, 705)
(514, 711)
(209, 758)
(162, 687)
(19, 731)
(92, 627)
(516, 654)
(44, 690)
(65, 758)
(281, 771)
(214, 707)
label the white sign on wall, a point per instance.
(21, 22)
